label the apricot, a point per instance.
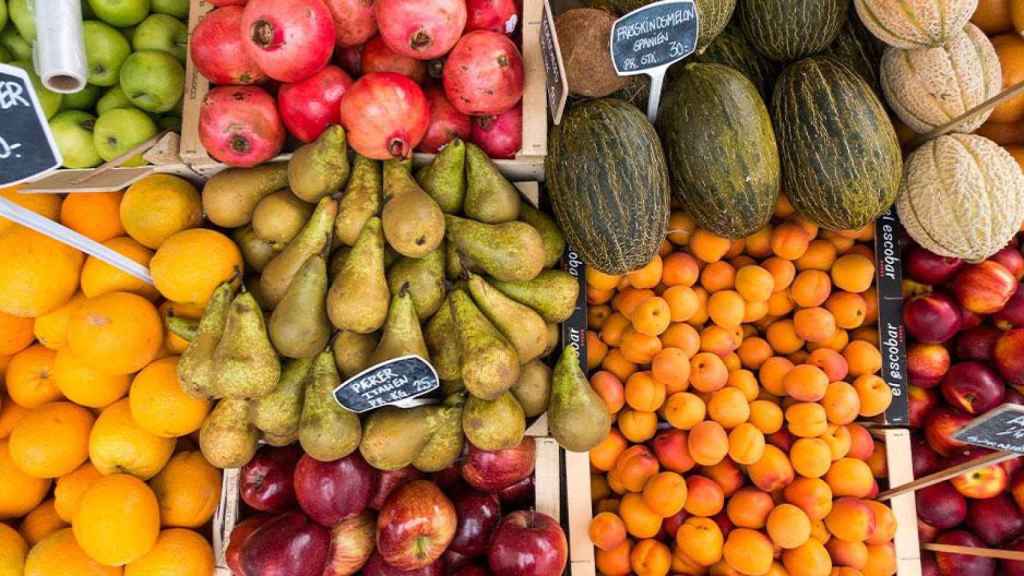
(848, 309)
(755, 283)
(599, 489)
(746, 444)
(610, 389)
(881, 560)
(820, 255)
(607, 531)
(810, 559)
(779, 304)
(749, 508)
(682, 336)
(728, 407)
(614, 562)
(597, 315)
(783, 337)
(665, 493)
(726, 308)
(652, 316)
(838, 440)
(639, 348)
(783, 272)
(708, 372)
(863, 358)
(766, 416)
(755, 311)
(607, 452)
(681, 227)
(596, 297)
(790, 241)
(614, 327)
(726, 474)
(877, 461)
(718, 340)
(650, 558)
(812, 324)
(806, 383)
(745, 382)
(831, 362)
(783, 207)
(850, 554)
(851, 519)
(600, 280)
(596, 349)
(627, 300)
(644, 393)
(773, 471)
(806, 419)
(640, 520)
(772, 374)
(870, 305)
(748, 551)
(861, 443)
(684, 565)
(736, 248)
(885, 523)
(811, 457)
(810, 288)
(679, 269)
(788, 526)
(707, 246)
(682, 303)
(704, 497)
(638, 426)
(841, 403)
(700, 316)
(718, 276)
(875, 395)
(684, 410)
(671, 369)
(634, 467)
(853, 272)
(672, 451)
(647, 277)
(838, 342)
(700, 540)
(812, 495)
(617, 364)
(708, 443)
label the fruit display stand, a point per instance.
(527, 165)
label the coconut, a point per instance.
(583, 35)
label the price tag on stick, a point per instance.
(395, 382)
(652, 38)
(1000, 429)
(27, 148)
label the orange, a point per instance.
(853, 273)
(51, 440)
(158, 206)
(117, 333)
(748, 551)
(12, 551)
(37, 273)
(93, 214)
(70, 487)
(118, 445)
(178, 552)
(59, 553)
(30, 377)
(21, 492)
(84, 385)
(41, 522)
(51, 329)
(46, 205)
(160, 406)
(100, 278)
(701, 540)
(10, 414)
(118, 520)
(190, 265)
(15, 333)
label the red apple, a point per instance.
(1013, 567)
(471, 570)
(981, 483)
(518, 495)
(449, 480)
(389, 480)
(927, 364)
(928, 565)
(478, 514)
(927, 268)
(528, 544)
(1017, 489)
(416, 525)
(978, 343)
(1011, 259)
(969, 319)
(376, 566)
(933, 317)
(490, 471)
(920, 401)
(941, 506)
(995, 520)
(265, 483)
(236, 541)
(973, 387)
(924, 459)
(309, 106)
(926, 532)
(961, 564)
(352, 543)
(941, 426)
(287, 545)
(1013, 313)
(454, 561)
(984, 288)
(329, 492)
(1012, 466)
(1009, 356)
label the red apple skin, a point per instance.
(995, 520)
(478, 514)
(1011, 259)
(389, 480)
(239, 534)
(454, 561)
(290, 544)
(961, 564)
(977, 343)
(927, 268)
(981, 483)
(1017, 489)
(352, 543)
(528, 544)
(984, 288)
(1013, 567)
(1012, 315)
(925, 460)
(329, 492)
(490, 471)
(519, 495)
(471, 570)
(933, 317)
(265, 483)
(926, 532)
(927, 364)
(941, 506)
(1012, 466)
(1009, 356)
(973, 387)
(376, 566)
(928, 565)
(969, 319)
(416, 525)
(449, 480)
(941, 426)
(920, 401)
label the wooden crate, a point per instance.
(527, 165)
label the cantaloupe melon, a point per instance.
(961, 196)
(915, 23)
(928, 87)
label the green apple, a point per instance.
(153, 80)
(176, 8)
(23, 16)
(84, 99)
(87, 13)
(112, 99)
(169, 123)
(118, 130)
(128, 33)
(49, 100)
(72, 130)
(162, 32)
(120, 13)
(18, 47)
(3, 13)
(105, 52)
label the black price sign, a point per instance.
(27, 148)
(1000, 429)
(891, 336)
(574, 329)
(554, 66)
(391, 382)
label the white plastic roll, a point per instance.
(59, 52)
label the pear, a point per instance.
(278, 413)
(496, 424)
(358, 298)
(490, 197)
(425, 278)
(554, 338)
(402, 335)
(490, 365)
(196, 369)
(279, 217)
(314, 238)
(337, 260)
(454, 263)
(319, 168)
(298, 326)
(413, 222)
(577, 416)
(360, 202)
(550, 233)
(230, 197)
(326, 430)
(281, 441)
(443, 345)
(552, 294)
(509, 251)
(446, 443)
(252, 286)
(445, 179)
(255, 251)
(449, 387)
(523, 327)
(533, 390)
(352, 352)
(393, 436)
(227, 439)
(184, 328)
(245, 364)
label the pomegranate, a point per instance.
(484, 74)
(385, 114)
(932, 317)
(290, 40)
(500, 136)
(350, 58)
(927, 268)
(421, 29)
(219, 3)
(239, 125)
(446, 123)
(216, 49)
(494, 15)
(309, 106)
(354, 21)
(378, 57)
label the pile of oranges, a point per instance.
(735, 371)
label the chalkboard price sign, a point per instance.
(554, 66)
(392, 382)
(1000, 429)
(27, 148)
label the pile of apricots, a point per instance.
(735, 371)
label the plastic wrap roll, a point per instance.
(59, 52)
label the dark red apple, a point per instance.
(941, 506)
(471, 570)
(453, 560)
(926, 532)
(352, 543)
(927, 268)
(933, 317)
(924, 459)
(449, 480)
(416, 525)
(978, 343)
(920, 401)
(984, 288)
(972, 387)
(1013, 567)
(928, 565)
(1011, 259)
(995, 520)
(1009, 356)
(518, 495)
(239, 534)
(265, 483)
(329, 492)
(962, 564)
(969, 319)
(941, 426)
(478, 514)
(927, 364)
(389, 480)
(1013, 313)
(981, 483)
(376, 566)
(1012, 466)
(287, 545)
(309, 106)
(490, 471)
(528, 544)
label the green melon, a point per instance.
(841, 161)
(732, 49)
(859, 49)
(713, 14)
(608, 183)
(720, 146)
(787, 30)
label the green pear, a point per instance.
(550, 233)
(454, 263)
(326, 430)
(533, 389)
(298, 326)
(490, 198)
(393, 437)
(413, 222)
(245, 364)
(281, 440)
(446, 443)
(360, 202)
(490, 365)
(577, 417)
(227, 439)
(185, 328)
(352, 352)
(523, 327)
(314, 238)
(319, 168)
(425, 279)
(445, 353)
(279, 412)
(359, 295)
(196, 369)
(402, 335)
(255, 251)
(445, 178)
(496, 424)
(279, 217)
(231, 196)
(508, 251)
(552, 294)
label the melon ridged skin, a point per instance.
(720, 146)
(841, 161)
(928, 87)
(859, 49)
(714, 15)
(787, 30)
(732, 49)
(608, 182)
(961, 197)
(915, 23)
